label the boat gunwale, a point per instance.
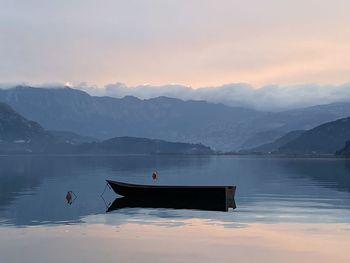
(169, 186)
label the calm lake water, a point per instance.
(307, 199)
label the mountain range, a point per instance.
(275, 145)
(19, 135)
(327, 138)
(216, 125)
(132, 145)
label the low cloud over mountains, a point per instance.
(267, 98)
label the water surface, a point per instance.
(274, 196)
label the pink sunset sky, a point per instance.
(194, 43)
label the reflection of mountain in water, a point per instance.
(33, 189)
(329, 173)
(16, 177)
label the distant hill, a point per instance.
(14, 127)
(163, 118)
(275, 145)
(71, 137)
(19, 135)
(324, 139)
(218, 126)
(345, 151)
(272, 126)
(130, 145)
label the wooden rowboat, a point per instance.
(175, 195)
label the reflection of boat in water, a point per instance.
(196, 204)
(217, 198)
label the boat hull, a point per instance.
(176, 195)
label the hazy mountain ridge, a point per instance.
(14, 127)
(216, 125)
(345, 151)
(265, 98)
(277, 124)
(71, 137)
(275, 145)
(104, 117)
(131, 145)
(324, 139)
(19, 135)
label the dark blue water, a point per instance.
(269, 190)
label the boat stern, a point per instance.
(230, 196)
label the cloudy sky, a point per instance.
(199, 43)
